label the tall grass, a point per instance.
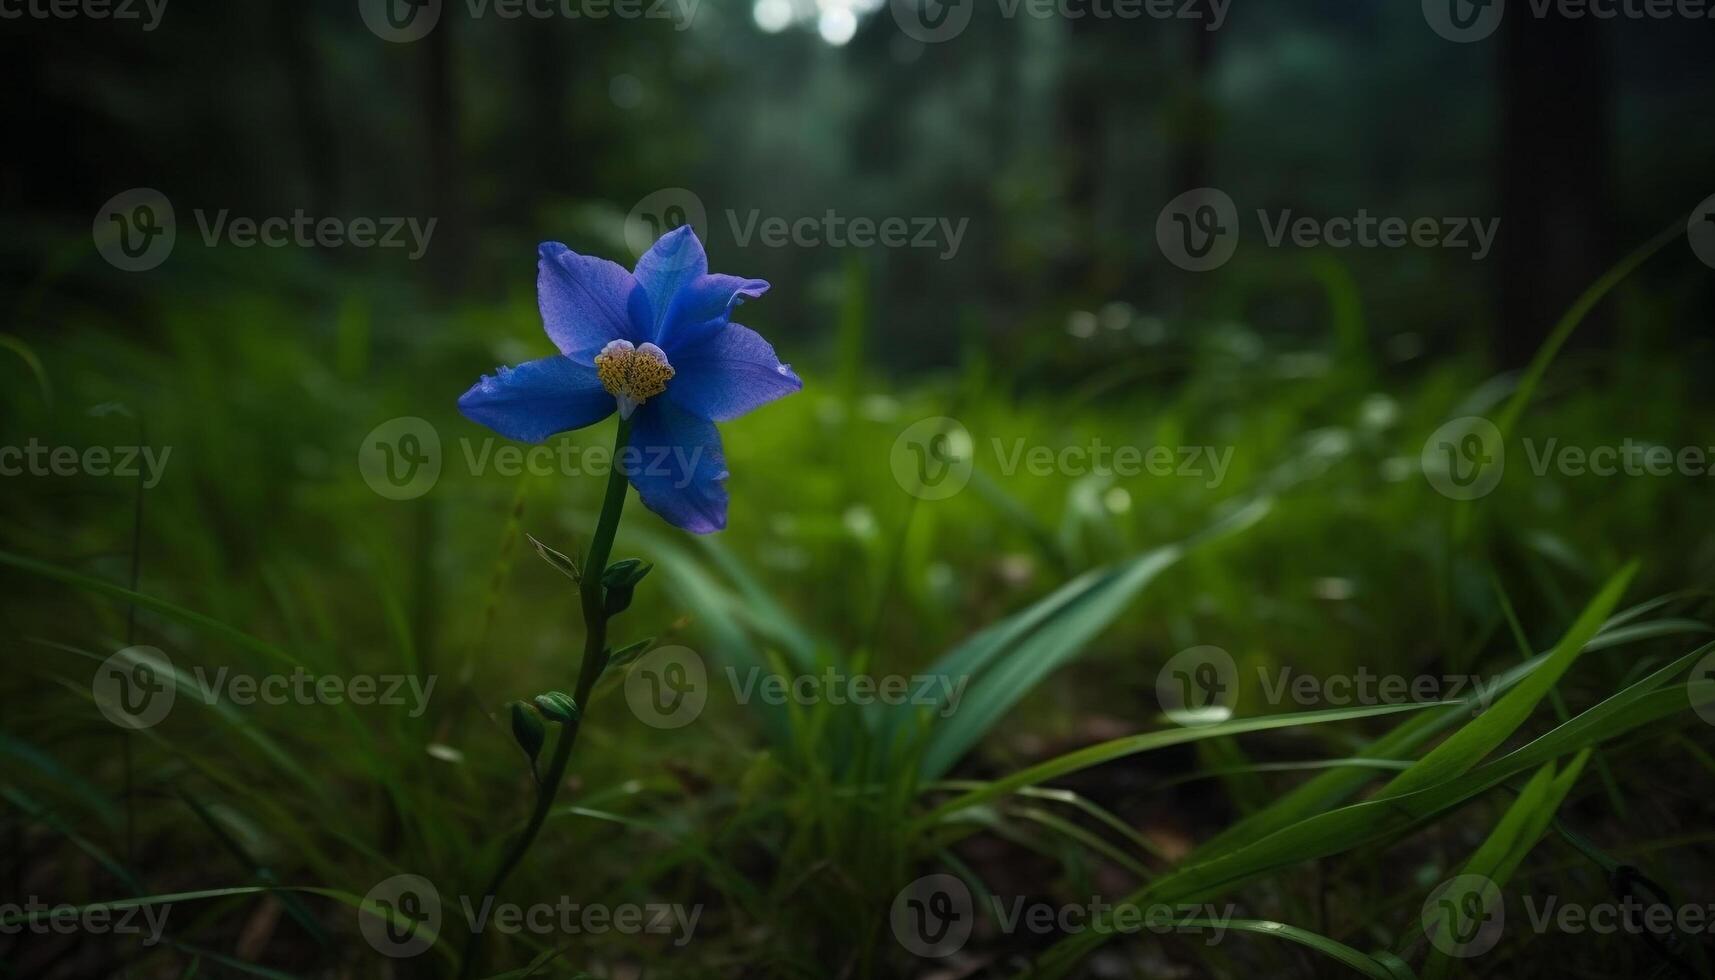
(1055, 598)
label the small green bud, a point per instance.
(527, 729)
(621, 580)
(558, 706)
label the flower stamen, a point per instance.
(632, 375)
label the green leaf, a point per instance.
(34, 363)
(998, 666)
(1513, 836)
(631, 651)
(563, 562)
(1338, 831)
(1329, 789)
(1004, 663)
(1360, 963)
(1148, 741)
(1467, 746)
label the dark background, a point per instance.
(1059, 140)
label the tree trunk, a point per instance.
(1553, 239)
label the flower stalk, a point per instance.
(593, 597)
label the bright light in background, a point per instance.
(836, 21)
(773, 16)
(837, 25)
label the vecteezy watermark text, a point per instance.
(933, 917)
(1464, 21)
(835, 230)
(401, 459)
(661, 211)
(65, 919)
(138, 686)
(933, 459)
(403, 21)
(35, 458)
(149, 12)
(669, 686)
(304, 231)
(1464, 458)
(933, 21)
(402, 916)
(1200, 686)
(1199, 230)
(137, 229)
(1466, 915)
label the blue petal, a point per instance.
(584, 300)
(536, 399)
(677, 466)
(729, 372)
(673, 262)
(703, 306)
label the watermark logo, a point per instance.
(135, 230)
(137, 687)
(134, 688)
(401, 916)
(1464, 916)
(664, 210)
(400, 21)
(401, 458)
(1463, 21)
(933, 916)
(659, 213)
(1199, 229)
(1464, 458)
(1199, 686)
(667, 687)
(1700, 231)
(932, 21)
(933, 458)
(1702, 700)
(404, 21)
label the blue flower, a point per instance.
(655, 344)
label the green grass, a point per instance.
(1058, 597)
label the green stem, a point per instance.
(595, 660)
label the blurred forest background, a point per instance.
(1057, 320)
(1059, 140)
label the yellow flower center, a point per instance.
(632, 375)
